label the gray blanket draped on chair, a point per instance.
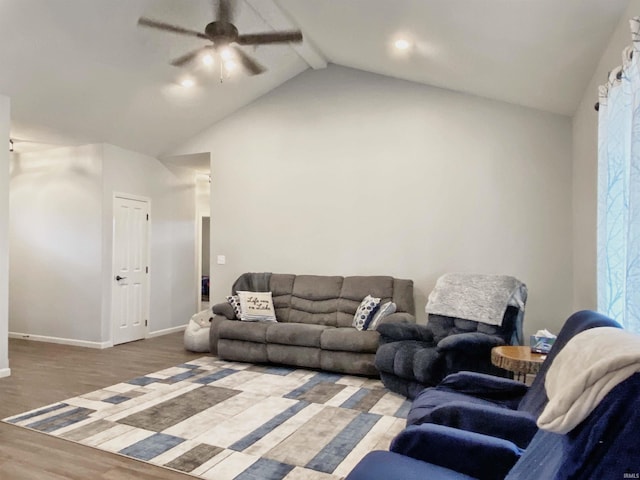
(479, 297)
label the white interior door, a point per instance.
(130, 292)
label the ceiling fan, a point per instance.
(222, 33)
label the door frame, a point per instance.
(147, 300)
(201, 213)
(199, 262)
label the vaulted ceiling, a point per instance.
(80, 71)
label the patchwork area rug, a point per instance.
(225, 420)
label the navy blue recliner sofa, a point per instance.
(496, 406)
(579, 442)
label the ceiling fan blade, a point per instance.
(224, 12)
(188, 57)
(147, 22)
(270, 37)
(253, 67)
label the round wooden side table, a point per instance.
(519, 360)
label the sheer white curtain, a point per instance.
(619, 189)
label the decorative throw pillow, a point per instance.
(256, 307)
(234, 301)
(365, 311)
(384, 310)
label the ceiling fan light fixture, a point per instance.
(226, 54)
(187, 82)
(224, 39)
(207, 59)
(230, 65)
(402, 44)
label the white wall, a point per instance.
(203, 195)
(172, 264)
(585, 168)
(56, 200)
(4, 237)
(343, 172)
(61, 241)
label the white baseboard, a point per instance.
(5, 372)
(61, 341)
(166, 331)
(86, 343)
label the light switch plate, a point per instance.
(222, 259)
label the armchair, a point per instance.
(469, 314)
(497, 406)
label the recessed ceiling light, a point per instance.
(187, 83)
(402, 44)
(207, 59)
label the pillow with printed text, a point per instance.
(256, 307)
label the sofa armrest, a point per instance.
(512, 425)
(469, 342)
(214, 332)
(397, 332)
(224, 309)
(479, 456)
(484, 386)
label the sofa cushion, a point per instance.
(397, 357)
(317, 287)
(248, 332)
(443, 326)
(349, 339)
(298, 334)
(308, 357)
(315, 312)
(354, 289)
(314, 299)
(240, 351)
(403, 295)
(281, 286)
(356, 363)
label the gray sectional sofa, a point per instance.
(314, 322)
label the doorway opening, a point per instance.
(205, 229)
(197, 167)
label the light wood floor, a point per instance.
(44, 373)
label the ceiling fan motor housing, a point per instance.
(221, 32)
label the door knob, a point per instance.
(118, 278)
